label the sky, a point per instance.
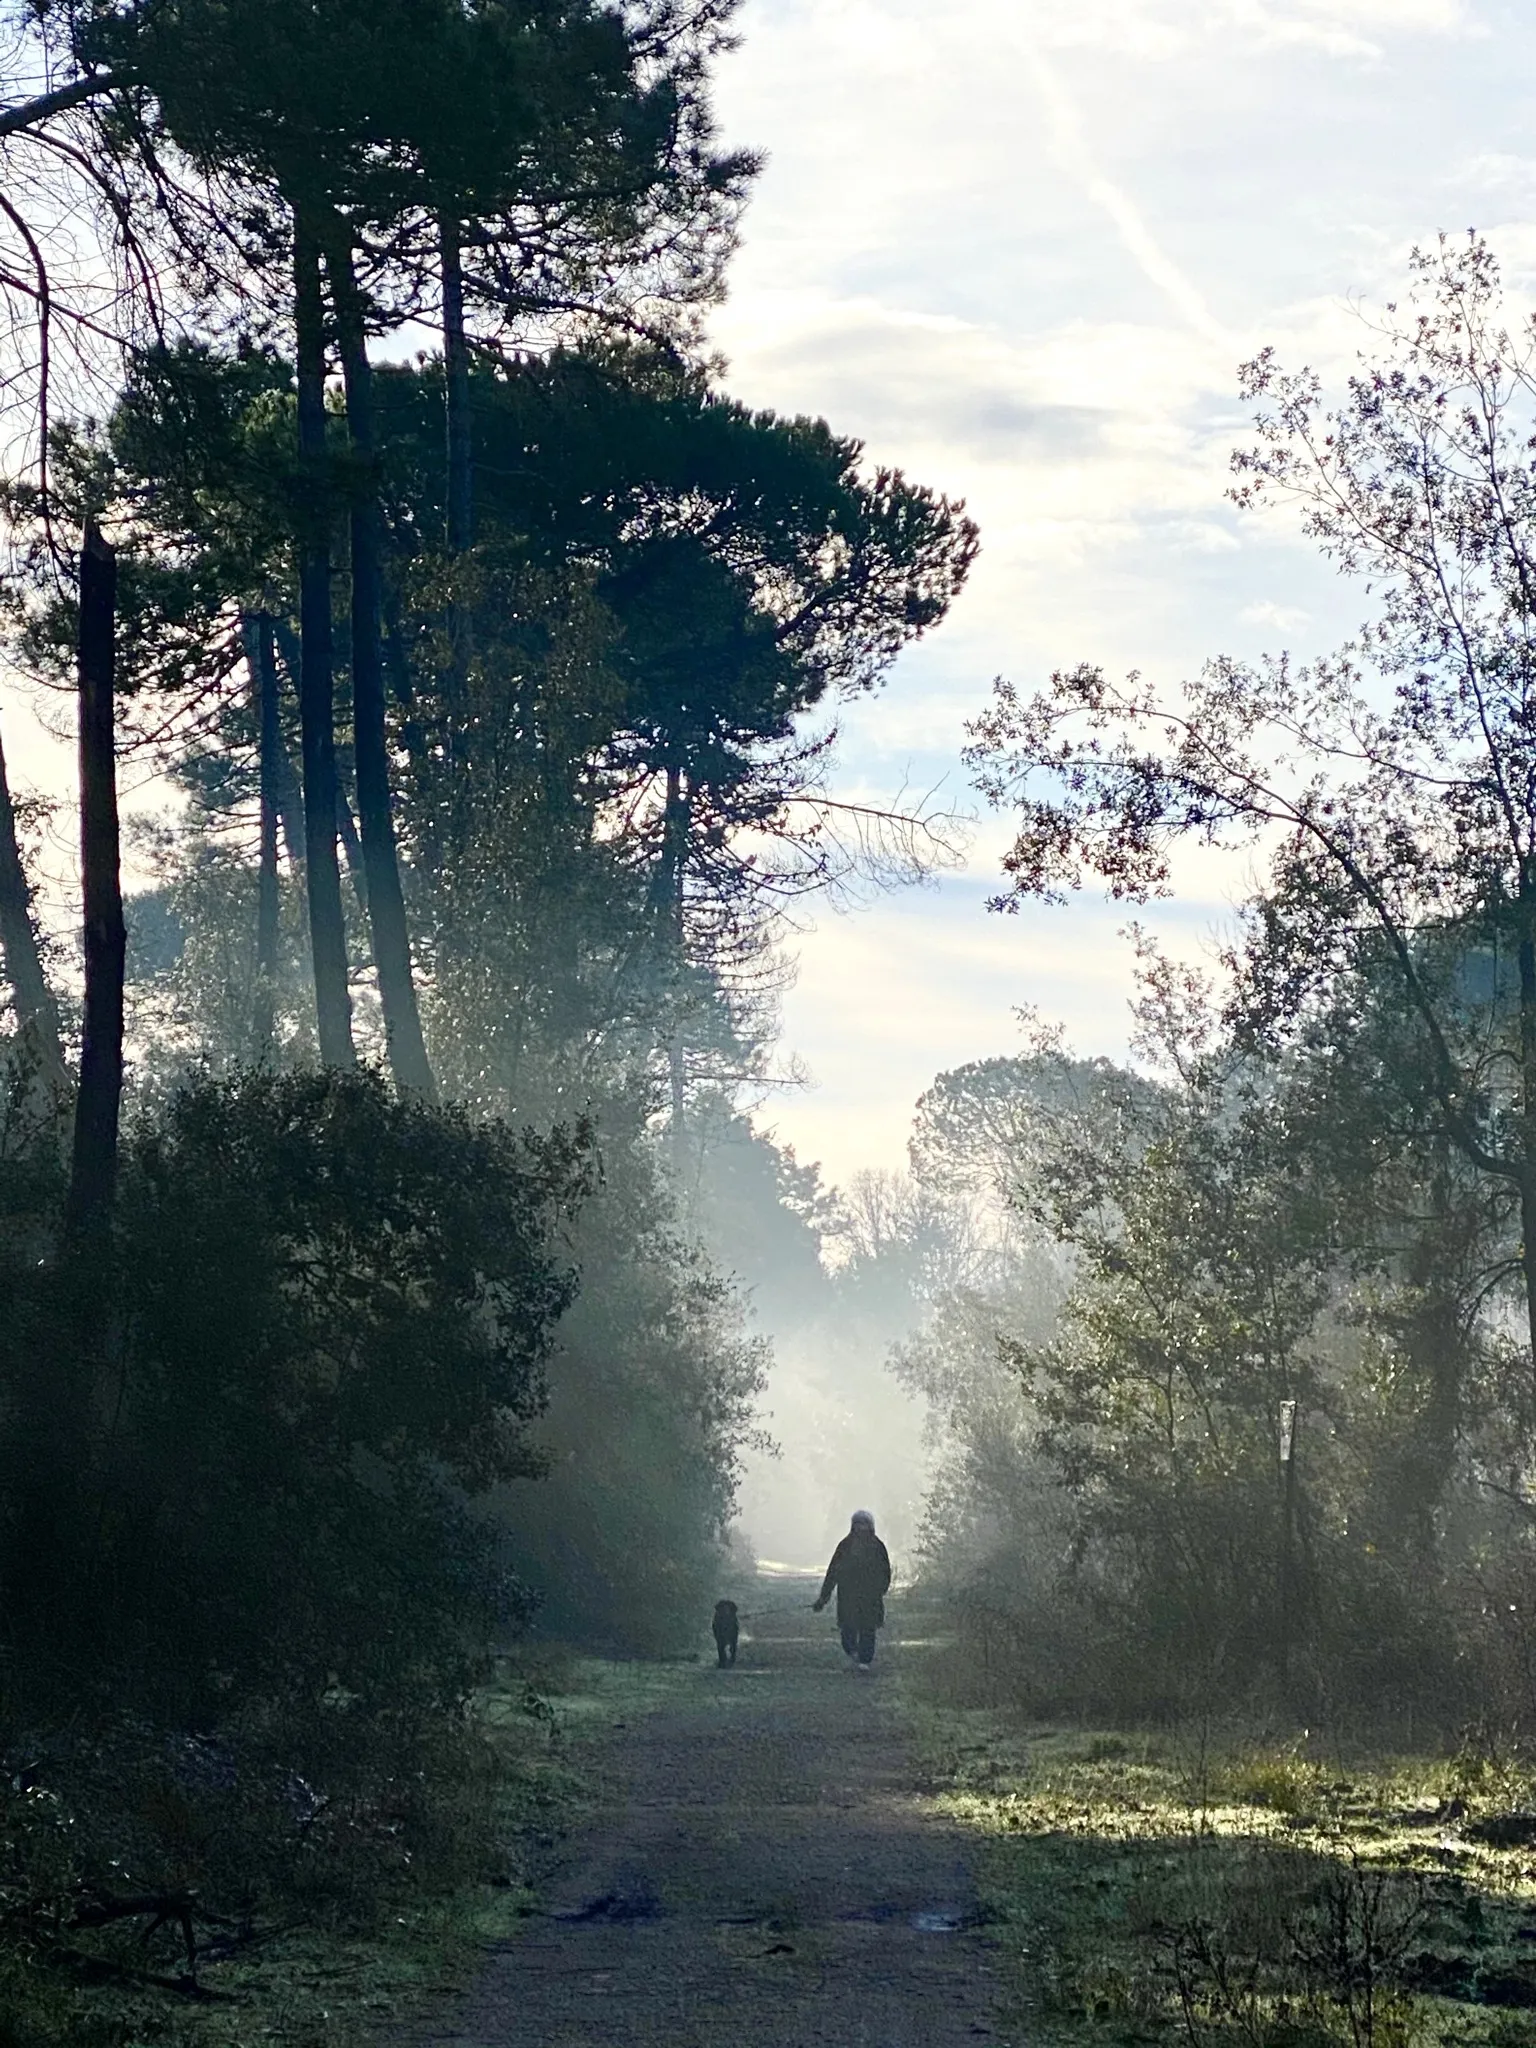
(1020, 250)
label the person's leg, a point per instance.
(850, 1641)
(866, 1646)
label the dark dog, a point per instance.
(726, 1629)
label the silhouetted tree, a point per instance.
(1405, 820)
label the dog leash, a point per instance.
(766, 1613)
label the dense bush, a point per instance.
(320, 1331)
(1112, 1523)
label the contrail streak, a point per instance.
(1073, 152)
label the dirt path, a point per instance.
(768, 1875)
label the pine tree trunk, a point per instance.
(414, 740)
(403, 1038)
(674, 847)
(93, 1175)
(290, 802)
(317, 708)
(352, 848)
(461, 506)
(459, 496)
(261, 659)
(1526, 962)
(37, 1014)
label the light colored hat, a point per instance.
(863, 1515)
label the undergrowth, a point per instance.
(331, 1877)
(1225, 1889)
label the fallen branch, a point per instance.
(159, 1907)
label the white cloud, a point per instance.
(1329, 34)
(1284, 618)
(1496, 170)
(1021, 248)
(1401, 17)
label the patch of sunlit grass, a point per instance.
(1176, 1887)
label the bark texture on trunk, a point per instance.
(674, 849)
(93, 1175)
(37, 1014)
(290, 801)
(261, 659)
(317, 708)
(404, 1042)
(352, 847)
(1526, 964)
(461, 500)
(674, 855)
(459, 497)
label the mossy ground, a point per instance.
(361, 1972)
(1220, 1887)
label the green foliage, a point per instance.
(192, 983)
(1391, 953)
(1111, 1514)
(250, 1582)
(767, 1218)
(343, 1863)
(355, 1385)
(663, 583)
(323, 1327)
(1277, 1777)
(753, 560)
(603, 795)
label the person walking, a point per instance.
(860, 1572)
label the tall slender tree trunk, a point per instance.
(1437, 1353)
(37, 1014)
(1526, 957)
(674, 847)
(317, 706)
(288, 792)
(290, 801)
(460, 495)
(290, 805)
(352, 848)
(381, 862)
(261, 659)
(1286, 1617)
(674, 854)
(93, 1175)
(429, 775)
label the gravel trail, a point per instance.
(767, 1875)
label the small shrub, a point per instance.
(1108, 1749)
(1278, 1779)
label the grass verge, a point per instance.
(322, 1965)
(1226, 1889)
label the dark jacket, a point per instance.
(861, 1572)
